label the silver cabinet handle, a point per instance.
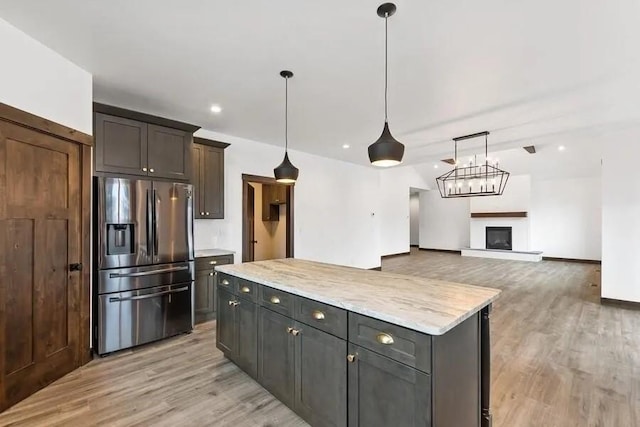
(148, 273)
(245, 290)
(144, 169)
(295, 332)
(206, 213)
(213, 262)
(201, 213)
(210, 274)
(274, 300)
(351, 358)
(225, 282)
(151, 170)
(234, 303)
(139, 297)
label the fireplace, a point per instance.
(498, 238)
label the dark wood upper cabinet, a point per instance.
(121, 145)
(169, 153)
(273, 195)
(133, 143)
(208, 178)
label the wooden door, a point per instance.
(320, 377)
(250, 245)
(40, 236)
(121, 145)
(276, 360)
(169, 153)
(214, 182)
(383, 392)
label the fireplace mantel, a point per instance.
(498, 214)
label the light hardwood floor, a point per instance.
(559, 359)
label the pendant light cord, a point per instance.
(286, 114)
(386, 42)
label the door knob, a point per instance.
(75, 267)
(253, 241)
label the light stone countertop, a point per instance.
(201, 253)
(425, 305)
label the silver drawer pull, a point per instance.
(274, 300)
(234, 303)
(213, 262)
(385, 339)
(225, 282)
(245, 290)
(210, 274)
(318, 315)
(351, 358)
(147, 296)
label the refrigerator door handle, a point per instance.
(148, 273)
(139, 297)
(149, 222)
(155, 223)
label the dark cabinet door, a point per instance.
(226, 327)
(120, 145)
(197, 178)
(383, 392)
(320, 377)
(213, 172)
(247, 336)
(276, 361)
(169, 153)
(204, 304)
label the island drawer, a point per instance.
(404, 345)
(322, 316)
(276, 300)
(228, 282)
(246, 289)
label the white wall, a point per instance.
(394, 207)
(336, 205)
(514, 199)
(444, 223)
(621, 216)
(414, 219)
(36, 79)
(566, 217)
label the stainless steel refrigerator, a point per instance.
(144, 254)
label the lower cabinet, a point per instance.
(276, 355)
(237, 330)
(304, 368)
(204, 287)
(383, 392)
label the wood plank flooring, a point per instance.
(559, 359)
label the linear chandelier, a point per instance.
(475, 179)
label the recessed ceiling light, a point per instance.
(216, 109)
(561, 148)
(435, 166)
(345, 146)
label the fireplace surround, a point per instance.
(499, 238)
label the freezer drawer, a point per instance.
(132, 278)
(127, 319)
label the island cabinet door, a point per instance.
(247, 336)
(383, 392)
(320, 377)
(276, 355)
(226, 338)
(203, 304)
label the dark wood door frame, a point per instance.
(246, 179)
(48, 127)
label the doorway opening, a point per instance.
(267, 219)
(414, 217)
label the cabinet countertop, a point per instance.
(425, 305)
(201, 253)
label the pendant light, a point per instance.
(386, 151)
(286, 173)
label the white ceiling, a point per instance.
(532, 72)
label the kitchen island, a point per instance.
(344, 346)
